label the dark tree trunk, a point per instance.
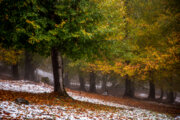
(15, 71)
(151, 90)
(170, 97)
(129, 87)
(132, 88)
(66, 80)
(32, 73)
(170, 93)
(151, 86)
(57, 64)
(29, 67)
(104, 82)
(82, 84)
(162, 94)
(92, 82)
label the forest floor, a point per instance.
(44, 104)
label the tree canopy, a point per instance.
(134, 38)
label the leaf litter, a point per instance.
(44, 104)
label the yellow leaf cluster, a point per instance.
(9, 56)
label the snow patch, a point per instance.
(10, 110)
(25, 86)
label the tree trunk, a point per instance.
(81, 80)
(29, 67)
(129, 87)
(162, 94)
(151, 90)
(132, 88)
(170, 93)
(32, 73)
(57, 64)
(151, 86)
(66, 80)
(104, 87)
(92, 82)
(170, 97)
(15, 71)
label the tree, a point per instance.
(82, 82)
(92, 80)
(154, 27)
(29, 67)
(11, 57)
(53, 27)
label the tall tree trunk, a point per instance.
(151, 86)
(92, 82)
(15, 71)
(162, 94)
(66, 80)
(132, 88)
(151, 90)
(104, 82)
(29, 67)
(57, 64)
(170, 97)
(170, 93)
(32, 73)
(129, 87)
(81, 80)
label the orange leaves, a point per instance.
(35, 25)
(6, 113)
(123, 69)
(118, 67)
(28, 21)
(102, 66)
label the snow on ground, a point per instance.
(13, 110)
(126, 112)
(25, 86)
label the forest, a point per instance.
(124, 50)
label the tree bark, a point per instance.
(15, 71)
(29, 67)
(92, 82)
(129, 87)
(151, 87)
(57, 64)
(104, 87)
(66, 80)
(151, 90)
(162, 94)
(82, 83)
(170, 97)
(170, 93)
